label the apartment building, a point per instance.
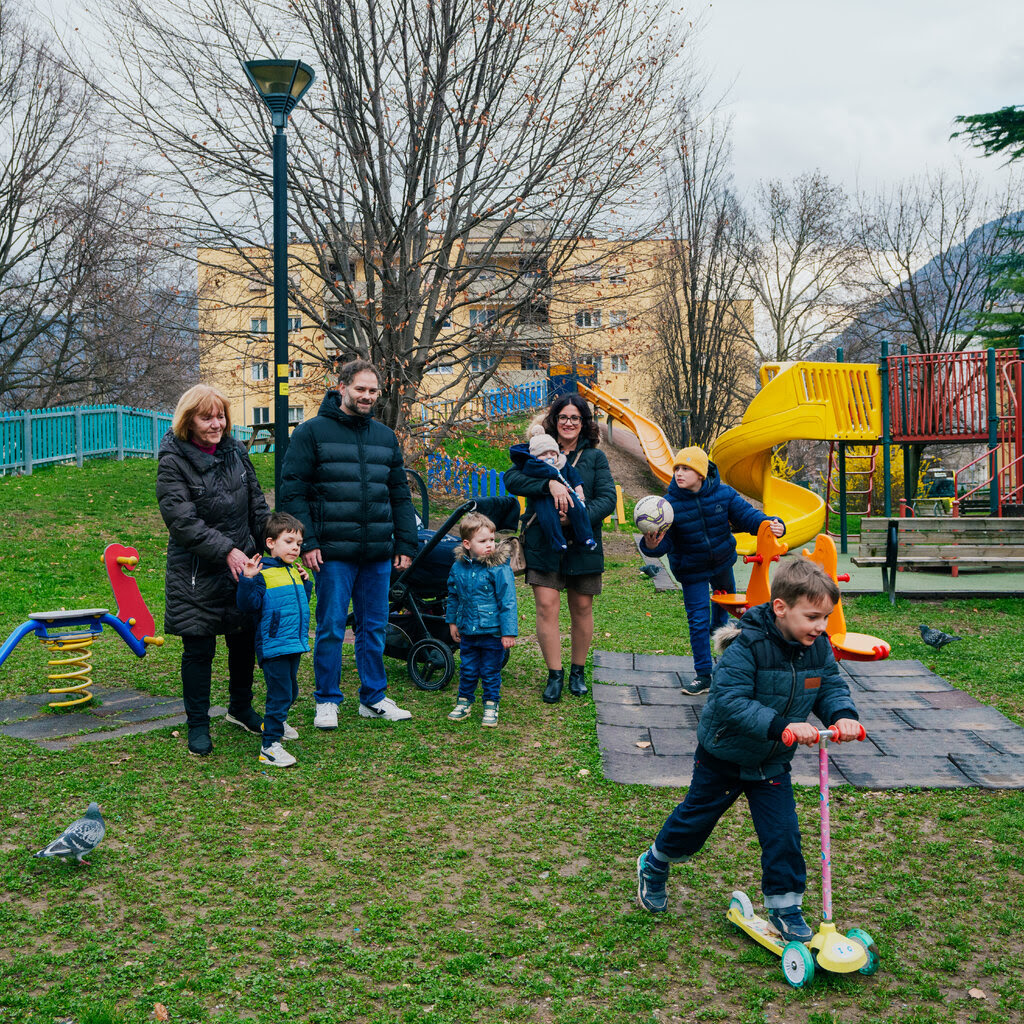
(516, 316)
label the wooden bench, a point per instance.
(939, 542)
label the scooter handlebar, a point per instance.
(832, 732)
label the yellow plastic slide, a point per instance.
(806, 401)
(658, 452)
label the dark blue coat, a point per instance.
(700, 539)
(278, 599)
(762, 682)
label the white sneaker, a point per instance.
(276, 755)
(293, 734)
(326, 717)
(386, 709)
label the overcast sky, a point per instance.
(864, 90)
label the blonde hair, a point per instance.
(201, 398)
(472, 523)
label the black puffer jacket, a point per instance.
(211, 504)
(344, 479)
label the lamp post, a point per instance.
(281, 84)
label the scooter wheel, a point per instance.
(797, 964)
(741, 901)
(861, 936)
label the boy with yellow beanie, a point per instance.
(701, 547)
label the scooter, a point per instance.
(829, 949)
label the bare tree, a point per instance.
(704, 361)
(456, 151)
(803, 263)
(931, 244)
(43, 113)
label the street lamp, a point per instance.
(281, 84)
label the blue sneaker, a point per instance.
(790, 924)
(650, 885)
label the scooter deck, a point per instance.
(758, 929)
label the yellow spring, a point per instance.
(78, 667)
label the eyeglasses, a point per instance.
(569, 419)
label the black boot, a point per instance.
(553, 691)
(199, 740)
(577, 683)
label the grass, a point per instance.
(439, 872)
(487, 444)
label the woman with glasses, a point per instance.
(578, 569)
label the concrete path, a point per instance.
(922, 732)
(112, 714)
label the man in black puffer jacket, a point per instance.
(344, 480)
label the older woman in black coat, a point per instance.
(212, 504)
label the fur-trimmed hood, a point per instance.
(498, 557)
(724, 636)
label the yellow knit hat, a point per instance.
(692, 458)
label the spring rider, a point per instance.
(72, 632)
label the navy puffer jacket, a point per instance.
(762, 682)
(701, 540)
(344, 480)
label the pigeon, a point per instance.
(935, 637)
(650, 570)
(79, 838)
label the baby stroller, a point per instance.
(417, 632)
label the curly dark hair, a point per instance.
(588, 428)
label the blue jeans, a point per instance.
(480, 658)
(282, 676)
(773, 810)
(364, 585)
(700, 616)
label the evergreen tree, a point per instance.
(1002, 131)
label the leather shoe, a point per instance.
(577, 682)
(553, 691)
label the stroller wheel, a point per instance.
(431, 664)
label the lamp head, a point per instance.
(281, 84)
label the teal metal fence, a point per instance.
(45, 437)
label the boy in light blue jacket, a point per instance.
(275, 591)
(482, 616)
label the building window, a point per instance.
(294, 323)
(588, 318)
(296, 369)
(597, 362)
(260, 371)
(440, 368)
(258, 325)
(260, 414)
(296, 413)
(617, 318)
(535, 313)
(536, 359)
(482, 317)
(256, 285)
(617, 275)
(591, 272)
(533, 266)
(482, 363)
(620, 364)
(333, 270)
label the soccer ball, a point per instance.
(652, 513)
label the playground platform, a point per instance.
(922, 731)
